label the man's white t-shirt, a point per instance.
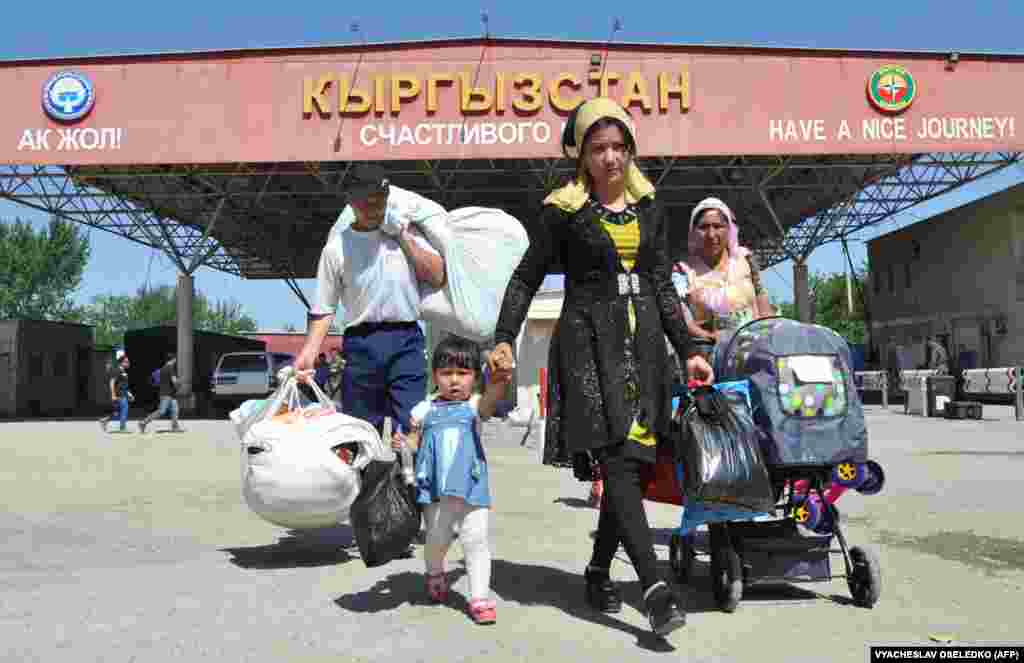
(369, 274)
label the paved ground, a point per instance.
(129, 547)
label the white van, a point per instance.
(240, 376)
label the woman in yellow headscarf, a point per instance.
(609, 386)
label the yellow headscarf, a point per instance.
(571, 197)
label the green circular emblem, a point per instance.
(891, 89)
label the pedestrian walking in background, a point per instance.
(168, 406)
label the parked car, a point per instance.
(241, 376)
(149, 347)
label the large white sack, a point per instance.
(481, 248)
(290, 474)
(247, 414)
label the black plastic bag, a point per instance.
(385, 516)
(723, 466)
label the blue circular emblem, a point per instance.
(68, 96)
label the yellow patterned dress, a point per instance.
(624, 229)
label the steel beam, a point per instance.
(271, 213)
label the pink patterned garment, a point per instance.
(719, 300)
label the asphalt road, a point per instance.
(129, 547)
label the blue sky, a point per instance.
(106, 26)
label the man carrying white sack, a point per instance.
(375, 266)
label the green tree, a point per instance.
(40, 271)
(830, 305)
(113, 315)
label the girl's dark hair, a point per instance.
(456, 352)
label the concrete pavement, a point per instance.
(129, 547)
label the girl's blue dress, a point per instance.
(451, 460)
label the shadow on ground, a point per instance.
(398, 590)
(987, 553)
(574, 503)
(322, 547)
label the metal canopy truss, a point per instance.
(270, 220)
(923, 178)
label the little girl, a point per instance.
(451, 470)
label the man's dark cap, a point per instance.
(366, 179)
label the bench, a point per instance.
(873, 381)
(1003, 385)
(914, 385)
(995, 384)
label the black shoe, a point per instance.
(602, 594)
(664, 609)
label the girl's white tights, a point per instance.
(442, 517)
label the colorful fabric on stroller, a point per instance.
(695, 513)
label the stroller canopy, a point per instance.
(803, 395)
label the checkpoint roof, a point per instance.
(267, 218)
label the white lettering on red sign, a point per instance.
(72, 140)
(895, 129)
(456, 133)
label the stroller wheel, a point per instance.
(865, 577)
(681, 557)
(849, 475)
(726, 570)
(874, 481)
(813, 514)
(808, 512)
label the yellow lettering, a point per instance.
(636, 92)
(681, 89)
(554, 92)
(474, 99)
(529, 86)
(499, 92)
(379, 96)
(351, 101)
(403, 88)
(527, 92)
(314, 94)
(432, 83)
(603, 81)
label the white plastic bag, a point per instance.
(247, 414)
(481, 248)
(291, 474)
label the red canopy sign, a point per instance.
(505, 100)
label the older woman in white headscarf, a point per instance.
(720, 282)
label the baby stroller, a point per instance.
(811, 429)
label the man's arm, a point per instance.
(319, 326)
(113, 389)
(328, 291)
(429, 266)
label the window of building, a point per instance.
(906, 273)
(892, 279)
(35, 365)
(877, 278)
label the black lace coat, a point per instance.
(594, 361)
